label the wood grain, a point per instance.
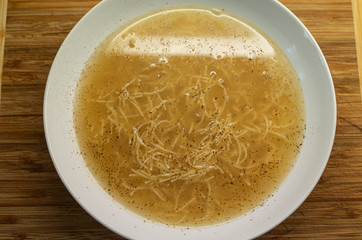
(3, 13)
(357, 16)
(34, 204)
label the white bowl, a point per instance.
(270, 16)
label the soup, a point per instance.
(189, 116)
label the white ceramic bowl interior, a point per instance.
(270, 16)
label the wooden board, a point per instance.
(34, 204)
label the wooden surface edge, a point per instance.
(3, 13)
(357, 18)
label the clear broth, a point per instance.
(189, 116)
